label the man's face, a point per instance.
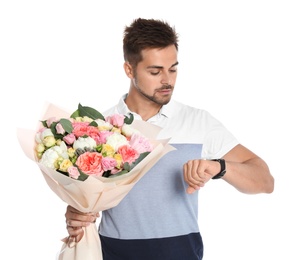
(156, 74)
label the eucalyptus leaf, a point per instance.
(89, 112)
(75, 114)
(128, 120)
(126, 166)
(44, 123)
(139, 159)
(106, 174)
(54, 131)
(67, 125)
(83, 176)
(93, 123)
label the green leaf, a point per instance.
(93, 123)
(67, 125)
(83, 176)
(54, 131)
(44, 123)
(89, 112)
(106, 174)
(75, 114)
(139, 159)
(126, 166)
(128, 120)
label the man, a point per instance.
(158, 218)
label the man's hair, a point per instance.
(146, 34)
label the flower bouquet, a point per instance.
(91, 162)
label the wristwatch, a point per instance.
(222, 168)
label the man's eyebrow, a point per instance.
(160, 67)
(175, 64)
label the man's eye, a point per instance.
(155, 73)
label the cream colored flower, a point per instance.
(65, 164)
(49, 141)
(83, 142)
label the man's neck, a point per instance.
(145, 108)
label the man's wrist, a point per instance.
(222, 169)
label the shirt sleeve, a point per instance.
(218, 140)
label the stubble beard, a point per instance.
(159, 101)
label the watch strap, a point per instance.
(222, 169)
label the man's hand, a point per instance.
(198, 172)
(76, 220)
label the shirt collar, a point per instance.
(166, 110)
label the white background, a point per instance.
(234, 61)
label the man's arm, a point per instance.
(247, 172)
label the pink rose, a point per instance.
(90, 163)
(108, 163)
(128, 154)
(82, 128)
(69, 139)
(103, 136)
(73, 172)
(60, 129)
(116, 120)
(140, 143)
(51, 120)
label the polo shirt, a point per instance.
(157, 219)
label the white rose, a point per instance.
(83, 142)
(116, 140)
(103, 125)
(45, 133)
(51, 155)
(42, 134)
(127, 130)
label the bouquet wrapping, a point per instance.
(94, 193)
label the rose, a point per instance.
(116, 140)
(83, 142)
(118, 159)
(86, 143)
(108, 163)
(103, 136)
(51, 120)
(43, 133)
(60, 129)
(127, 130)
(140, 143)
(103, 125)
(107, 150)
(51, 155)
(83, 128)
(128, 154)
(70, 138)
(116, 120)
(90, 163)
(65, 164)
(73, 172)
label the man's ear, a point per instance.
(128, 70)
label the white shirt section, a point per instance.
(185, 124)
